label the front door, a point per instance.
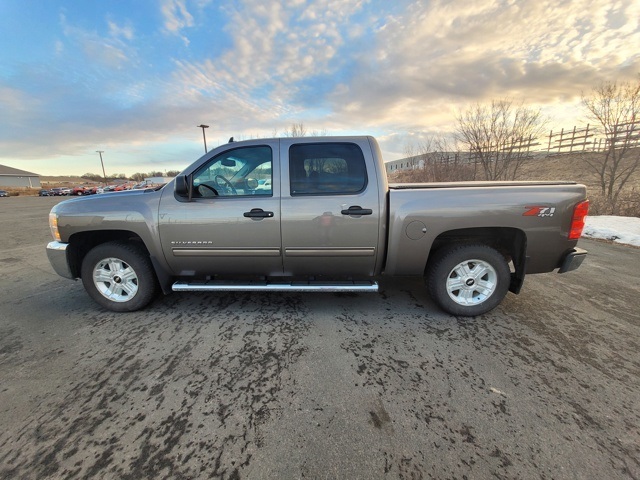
(232, 223)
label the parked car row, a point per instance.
(55, 192)
(91, 190)
(67, 191)
(80, 190)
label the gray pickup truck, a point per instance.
(315, 214)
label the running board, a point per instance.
(310, 286)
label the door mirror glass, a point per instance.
(182, 186)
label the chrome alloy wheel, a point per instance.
(471, 282)
(115, 280)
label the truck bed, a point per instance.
(419, 213)
(413, 186)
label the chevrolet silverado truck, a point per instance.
(315, 214)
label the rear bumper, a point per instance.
(57, 253)
(573, 260)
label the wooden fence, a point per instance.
(623, 135)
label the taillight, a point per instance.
(580, 212)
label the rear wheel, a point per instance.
(468, 280)
(119, 276)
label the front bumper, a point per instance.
(57, 253)
(573, 260)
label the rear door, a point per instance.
(330, 209)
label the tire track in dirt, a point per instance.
(180, 397)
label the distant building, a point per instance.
(409, 163)
(417, 162)
(14, 178)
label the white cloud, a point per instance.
(124, 31)
(275, 47)
(442, 54)
(398, 69)
(176, 17)
(15, 101)
(111, 51)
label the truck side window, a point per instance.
(238, 172)
(326, 169)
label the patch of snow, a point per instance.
(618, 229)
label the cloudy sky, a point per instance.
(135, 78)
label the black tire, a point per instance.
(481, 273)
(119, 276)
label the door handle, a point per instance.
(357, 210)
(258, 213)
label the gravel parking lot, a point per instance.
(363, 386)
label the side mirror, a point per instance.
(183, 186)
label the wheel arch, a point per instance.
(82, 242)
(510, 242)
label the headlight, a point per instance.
(53, 225)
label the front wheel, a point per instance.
(468, 280)
(119, 276)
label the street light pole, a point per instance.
(102, 163)
(204, 137)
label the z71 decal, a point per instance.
(539, 211)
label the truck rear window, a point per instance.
(326, 169)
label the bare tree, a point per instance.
(437, 160)
(616, 108)
(94, 177)
(300, 130)
(499, 136)
(318, 133)
(296, 130)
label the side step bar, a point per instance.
(274, 286)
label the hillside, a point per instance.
(571, 167)
(568, 167)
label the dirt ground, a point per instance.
(320, 386)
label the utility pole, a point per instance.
(204, 137)
(102, 163)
